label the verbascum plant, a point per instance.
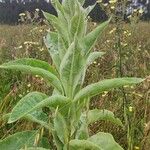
(70, 47)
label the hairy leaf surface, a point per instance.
(71, 69)
(90, 39)
(30, 104)
(83, 145)
(62, 132)
(18, 140)
(105, 141)
(35, 67)
(105, 85)
(25, 104)
(97, 115)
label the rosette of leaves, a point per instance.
(70, 47)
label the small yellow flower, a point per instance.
(141, 11)
(124, 44)
(29, 85)
(94, 62)
(130, 109)
(126, 86)
(133, 92)
(41, 49)
(94, 23)
(36, 76)
(113, 30)
(105, 93)
(129, 16)
(112, 1)
(112, 7)
(31, 43)
(145, 125)
(37, 10)
(22, 14)
(129, 34)
(106, 4)
(40, 30)
(89, 17)
(19, 47)
(136, 147)
(25, 43)
(132, 87)
(125, 32)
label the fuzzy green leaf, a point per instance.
(39, 117)
(78, 23)
(69, 7)
(105, 141)
(33, 63)
(59, 25)
(90, 39)
(97, 115)
(57, 141)
(71, 68)
(51, 42)
(25, 104)
(83, 132)
(31, 103)
(60, 126)
(62, 48)
(89, 9)
(18, 140)
(105, 85)
(52, 19)
(83, 145)
(35, 67)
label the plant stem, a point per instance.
(120, 74)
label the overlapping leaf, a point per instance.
(62, 132)
(104, 85)
(97, 115)
(51, 42)
(18, 140)
(71, 68)
(35, 67)
(83, 145)
(34, 101)
(78, 23)
(90, 39)
(25, 104)
(105, 141)
(61, 27)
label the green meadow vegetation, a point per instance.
(74, 84)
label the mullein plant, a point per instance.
(70, 47)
